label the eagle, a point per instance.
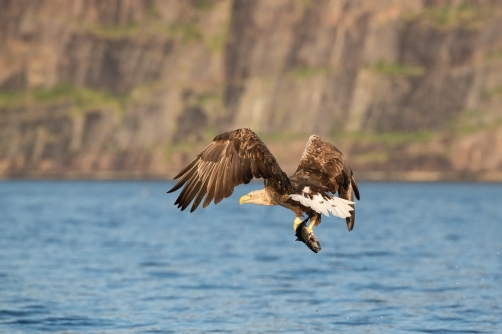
(237, 156)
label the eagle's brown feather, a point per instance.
(322, 165)
(233, 158)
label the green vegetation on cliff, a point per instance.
(83, 98)
(448, 16)
(387, 138)
(115, 32)
(395, 69)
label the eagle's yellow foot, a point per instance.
(310, 228)
(305, 235)
(297, 222)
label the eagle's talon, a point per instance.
(298, 221)
(307, 237)
(310, 228)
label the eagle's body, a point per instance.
(235, 157)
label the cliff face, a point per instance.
(129, 88)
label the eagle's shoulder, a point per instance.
(323, 157)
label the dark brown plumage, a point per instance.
(324, 166)
(235, 157)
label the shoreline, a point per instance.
(362, 176)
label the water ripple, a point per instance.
(118, 257)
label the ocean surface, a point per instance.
(118, 257)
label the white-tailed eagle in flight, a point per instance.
(235, 157)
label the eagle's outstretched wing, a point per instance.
(324, 168)
(233, 158)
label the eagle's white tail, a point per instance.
(337, 206)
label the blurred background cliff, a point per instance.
(133, 89)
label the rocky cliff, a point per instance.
(118, 88)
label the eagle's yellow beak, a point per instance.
(244, 199)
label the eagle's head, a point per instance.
(258, 197)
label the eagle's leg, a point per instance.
(305, 234)
(314, 221)
(297, 222)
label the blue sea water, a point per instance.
(118, 257)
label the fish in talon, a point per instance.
(308, 238)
